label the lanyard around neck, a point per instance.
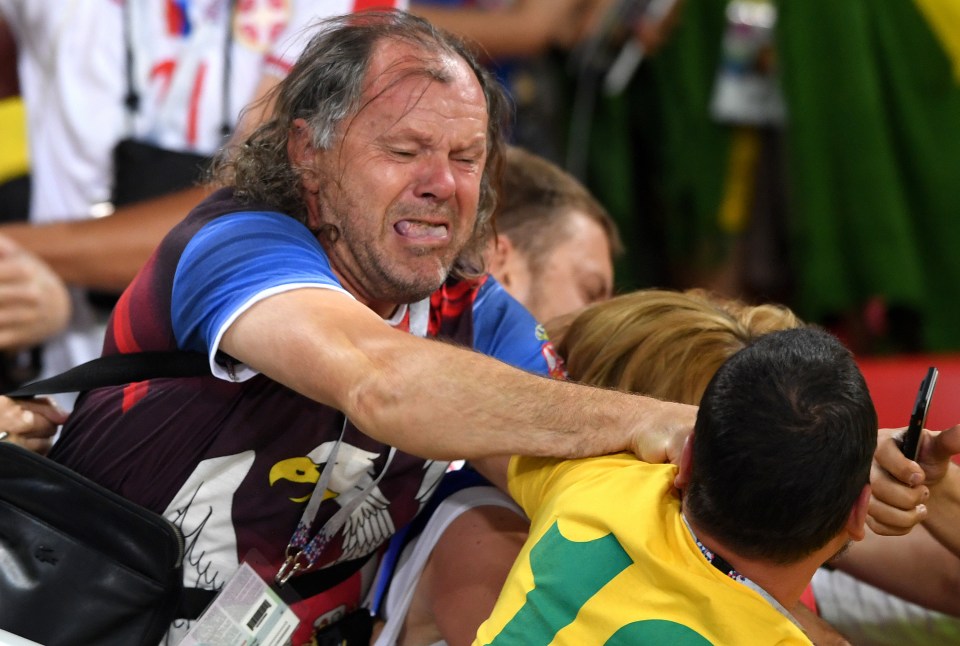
(303, 550)
(728, 570)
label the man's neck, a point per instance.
(783, 582)
(383, 309)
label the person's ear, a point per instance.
(303, 155)
(686, 464)
(500, 252)
(858, 515)
(511, 269)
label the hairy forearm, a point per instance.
(106, 253)
(439, 401)
(442, 402)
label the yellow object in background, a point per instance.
(740, 182)
(14, 160)
(944, 19)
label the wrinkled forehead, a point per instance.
(397, 63)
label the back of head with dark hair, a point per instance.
(782, 447)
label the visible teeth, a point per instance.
(414, 229)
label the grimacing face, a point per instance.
(403, 184)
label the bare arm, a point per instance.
(106, 253)
(920, 564)
(526, 28)
(464, 574)
(435, 400)
(915, 567)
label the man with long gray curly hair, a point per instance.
(343, 245)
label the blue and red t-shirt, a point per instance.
(232, 458)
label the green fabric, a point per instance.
(609, 176)
(874, 152)
(656, 159)
(679, 154)
(565, 575)
(693, 147)
(873, 156)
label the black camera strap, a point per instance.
(118, 369)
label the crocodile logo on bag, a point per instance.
(45, 555)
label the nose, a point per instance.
(435, 181)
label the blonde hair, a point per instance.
(666, 344)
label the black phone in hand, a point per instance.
(910, 443)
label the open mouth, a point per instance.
(419, 230)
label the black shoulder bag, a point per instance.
(80, 564)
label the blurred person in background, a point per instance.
(555, 243)
(799, 152)
(34, 302)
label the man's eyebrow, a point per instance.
(408, 133)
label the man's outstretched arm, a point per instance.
(436, 400)
(105, 253)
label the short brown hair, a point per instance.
(536, 197)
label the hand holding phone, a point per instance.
(910, 444)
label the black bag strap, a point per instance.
(119, 369)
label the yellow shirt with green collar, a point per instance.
(610, 560)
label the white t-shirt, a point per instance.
(71, 58)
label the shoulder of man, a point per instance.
(501, 326)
